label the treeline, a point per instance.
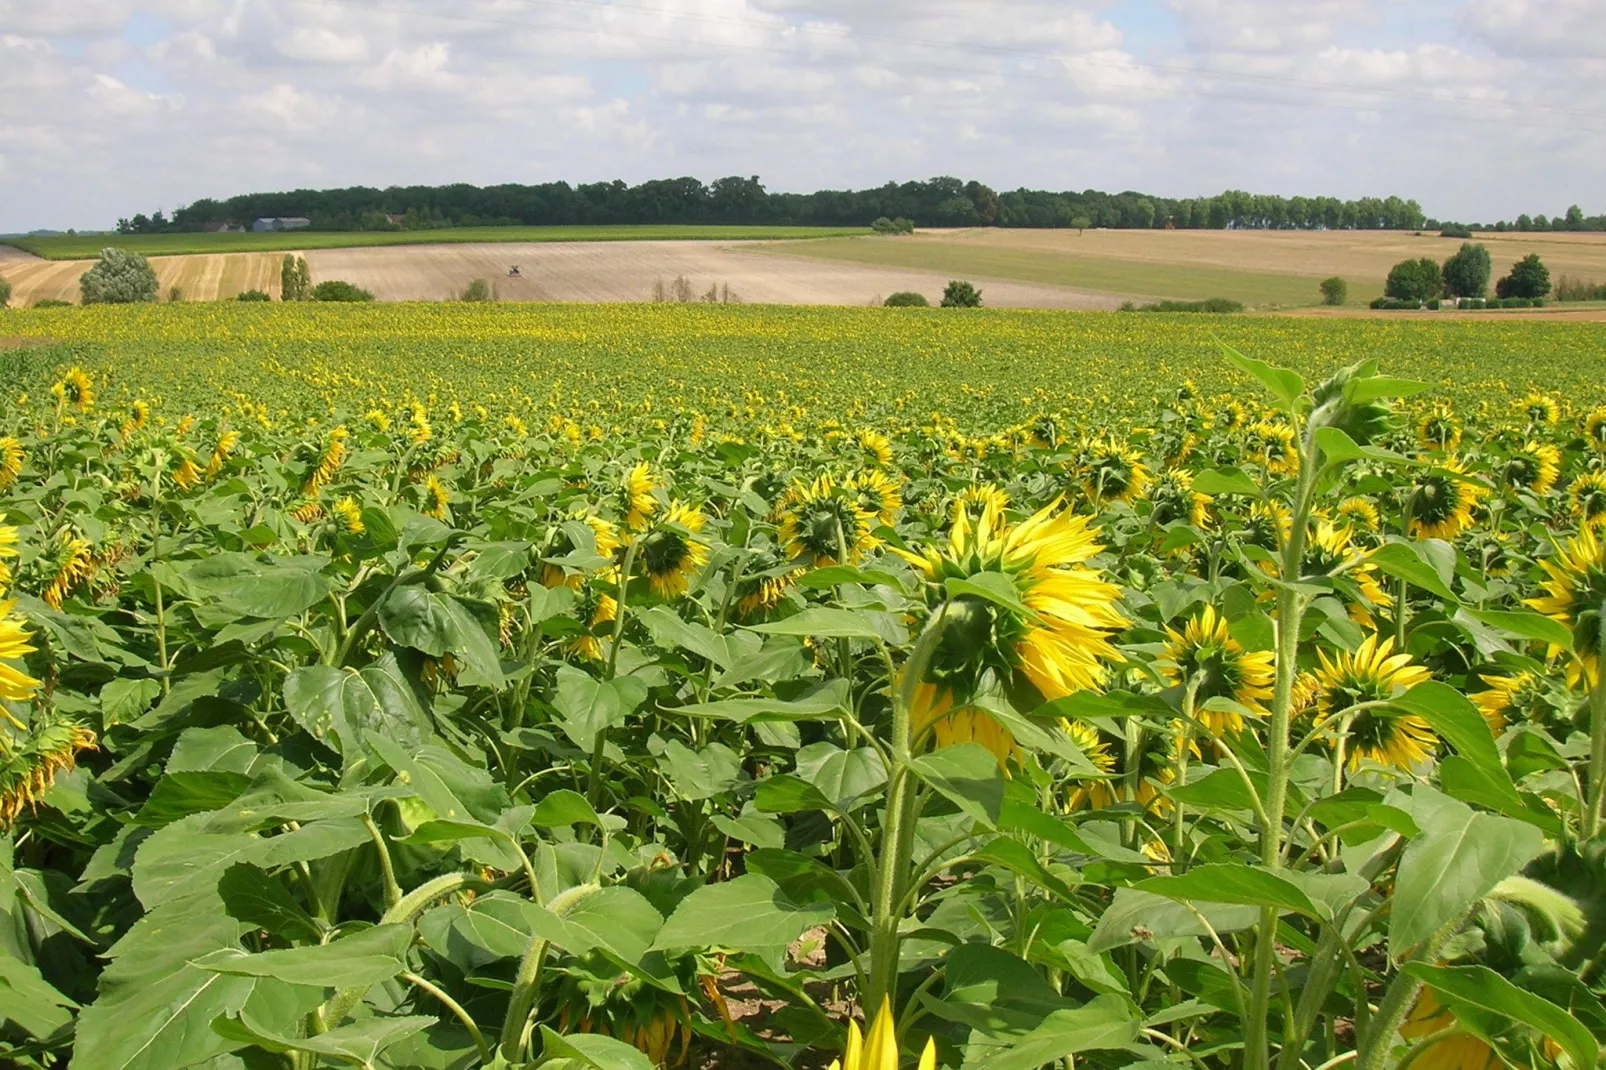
(937, 202)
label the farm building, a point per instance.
(289, 222)
(223, 228)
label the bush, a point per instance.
(5, 293)
(253, 295)
(52, 302)
(1380, 302)
(1214, 304)
(175, 294)
(1466, 274)
(1335, 291)
(959, 294)
(339, 290)
(1537, 302)
(1415, 280)
(1434, 305)
(1528, 278)
(479, 290)
(119, 278)
(1572, 288)
(1455, 230)
(907, 299)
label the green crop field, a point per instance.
(646, 687)
(85, 246)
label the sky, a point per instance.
(1479, 109)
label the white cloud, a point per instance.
(1566, 28)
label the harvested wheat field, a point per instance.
(198, 278)
(630, 271)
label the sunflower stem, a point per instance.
(156, 583)
(599, 748)
(1597, 736)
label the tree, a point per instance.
(1575, 218)
(119, 278)
(1415, 280)
(5, 293)
(1081, 223)
(1466, 274)
(1528, 278)
(959, 294)
(295, 279)
(907, 299)
(340, 290)
(1335, 291)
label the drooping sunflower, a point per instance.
(1065, 648)
(824, 523)
(933, 708)
(348, 516)
(1271, 445)
(328, 460)
(8, 548)
(1575, 593)
(1361, 514)
(1172, 499)
(1332, 546)
(1268, 525)
(1442, 503)
(69, 563)
(11, 457)
(1205, 651)
(637, 502)
(1520, 698)
(877, 447)
(29, 764)
(764, 582)
(1112, 472)
(597, 609)
(671, 554)
(78, 389)
(436, 497)
(1540, 409)
(1229, 416)
(1588, 497)
(876, 493)
(139, 411)
(221, 452)
(1532, 467)
(1373, 673)
(1439, 430)
(187, 473)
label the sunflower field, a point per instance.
(635, 687)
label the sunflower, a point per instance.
(11, 457)
(8, 548)
(933, 708)
(1269, 525)
(1173, 499)
(1495, 551)
(1230, 416)
(976, 497)
(764, 583)
(1157, 767)
(877, 447)
(78, 389)
(636, 496)
(1520, 698)
(418, 430)
(328, 461)
(877, 493)
(1574, 595)
(1113, 473)
(29, 766)
(1271, 445)
(1463, 1052)
(1361, 513)
(436, 497)
(1043, 433)
(879, 1051)
(15, 685)
(220, 453)
(1588, 496)
(1540, 409)
(825, 523)
(598, 609)
(670, 554)
(1374, 674)
(1332, 547)
(1062, 648)
(1307, 689)
(307, 512)
(69, 564)
(1532, 467)
(187, 474)
(138, 413)
(1442, 503)
(348, 516)
(1205, 651)
(1595, 428)
(1439, 430)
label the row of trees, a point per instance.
(1465, 274)
(1573, 219)
(942, 201)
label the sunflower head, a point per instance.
(67, 562)
(1439, 429)
(1271, 445)
(876, 446)
(1588, 497)
(1539, 409)
(1374, 673)
(1521, 698)
(1337, 405)
(637, 501)
(1061, 644)
(15, 643)
(1361, 514)
(671, 554)
(348, 516)
(826, 523)
(11, 457)
(436, 497)
(1113, 472)
(1442, 503)
(1595, 428)
(1532, 467)
(1173, 499)
(77, 389)
(1205, 655)
(875, 492)
(1575, 595)
(29, 766)
(1230, 416)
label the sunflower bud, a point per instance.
(1338, 405)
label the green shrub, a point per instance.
(1455, 230)
(478, 290)
(52, 302)
(253, 295)
(340, 290)
(1434, 304)
(907, 299)
(1213, 304)
(1335, 291)
(959, 294)
(5, 293)
(1415, 280)
(119, 278)
(1380, 302)
(1573, 288)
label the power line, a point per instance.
(943, 68)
